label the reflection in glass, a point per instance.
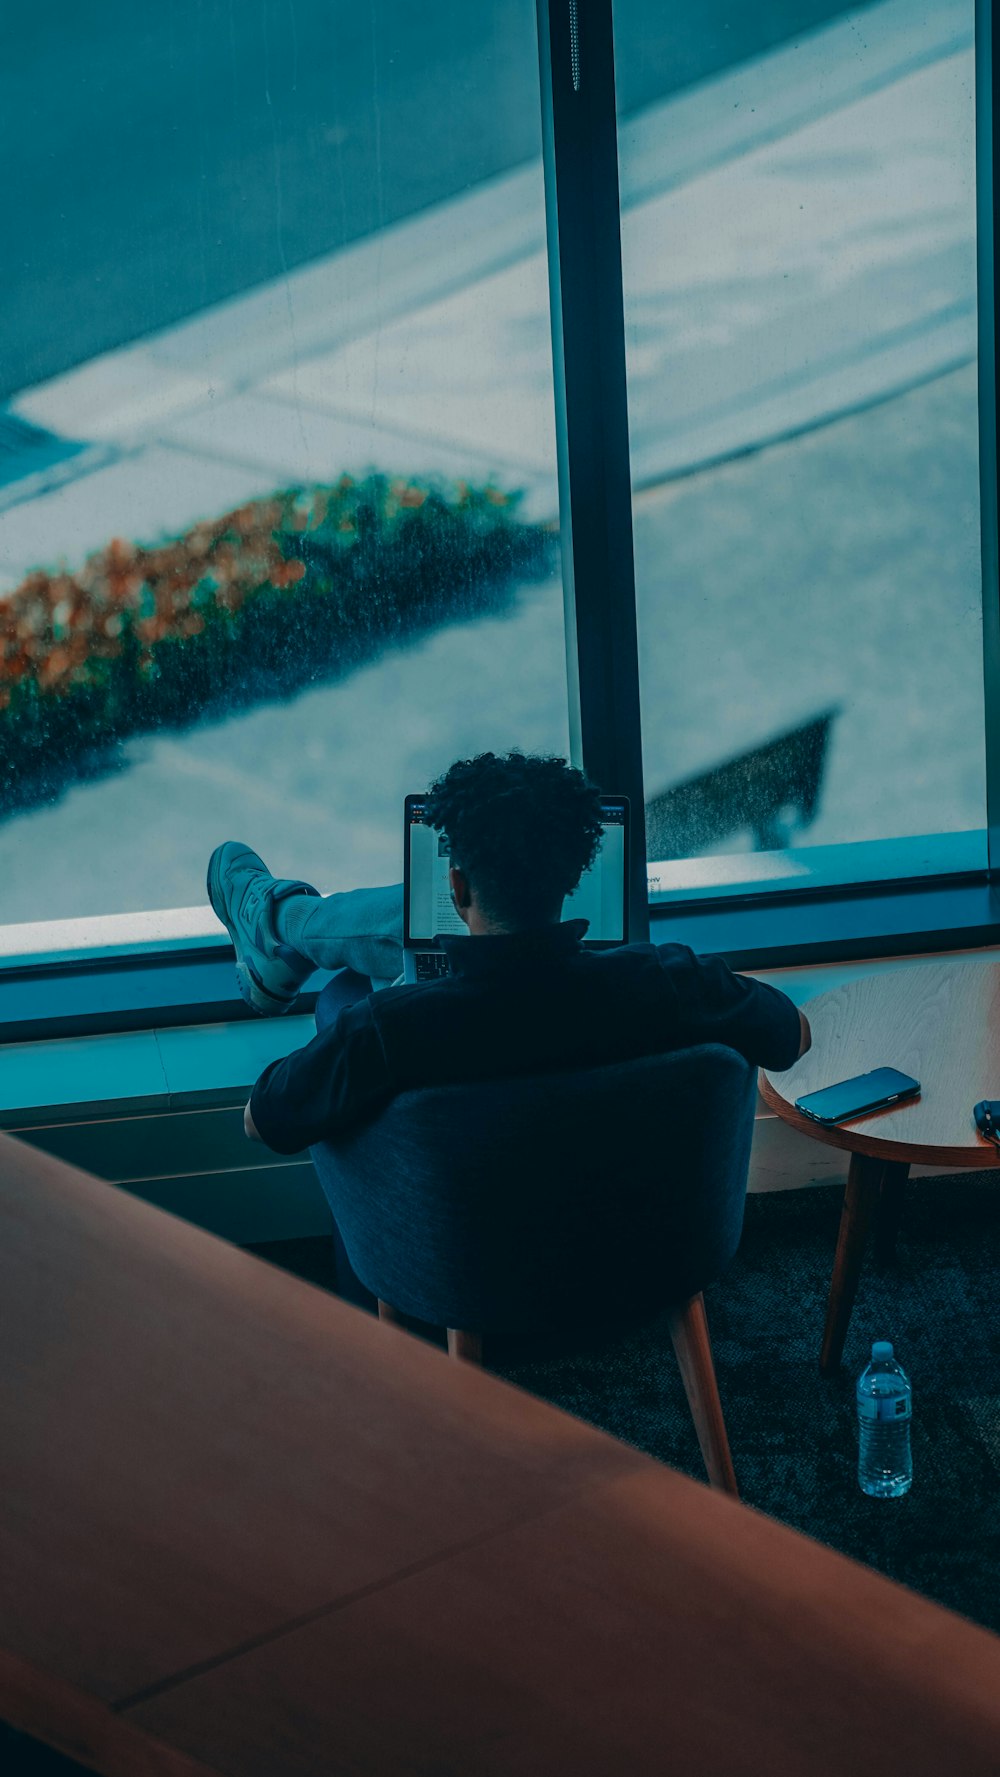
(277, 493)
(799, 253)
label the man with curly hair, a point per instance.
(524, 997)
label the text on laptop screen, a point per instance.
(431, 907)
(599, 897)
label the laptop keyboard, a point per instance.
(430, 964)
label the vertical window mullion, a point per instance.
(987, 233)
(583, 224)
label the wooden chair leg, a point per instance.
(388, 1314)
(465, 1345)
(689, 1332)
(864, 1181)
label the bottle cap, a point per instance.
(882, 1348)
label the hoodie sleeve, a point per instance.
(719, 1006)
(335, 1081)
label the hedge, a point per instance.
(278, 595)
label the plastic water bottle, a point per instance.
(885, 1465)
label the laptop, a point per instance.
(601, 896)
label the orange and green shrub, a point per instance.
(280, 594)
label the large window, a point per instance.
(800, 288)
(279, 503)
(278, 528)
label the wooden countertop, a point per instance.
(246, 1529)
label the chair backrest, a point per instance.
(519, 1204)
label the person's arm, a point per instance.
(715, 1005)
(249, 1126)
(318, 1091)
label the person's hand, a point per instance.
(805, 1041)
(249, 1126)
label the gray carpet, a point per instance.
(793, 1434)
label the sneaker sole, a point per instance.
(252, 990)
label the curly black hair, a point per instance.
(522, 828)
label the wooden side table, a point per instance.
(936, 1020)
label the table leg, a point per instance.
(890, 1209)
(860, 1197)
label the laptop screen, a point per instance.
(601, 897)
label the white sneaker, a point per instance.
(242, 892)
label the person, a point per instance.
(522, 997)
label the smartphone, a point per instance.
(876, 1091)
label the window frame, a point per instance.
(127, 983)
(580, 146)
(108, 991)
(987, 227)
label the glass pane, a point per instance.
(799, 249)
(277, 469)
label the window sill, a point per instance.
(123, 972)
(786, 930)
(820, 869)
(142, 972)
(143, 1073)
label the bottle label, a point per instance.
(884, 1406)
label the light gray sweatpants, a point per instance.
(360, 930)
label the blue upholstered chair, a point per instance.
(530, 1205)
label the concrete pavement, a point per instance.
(799, 244)
(803, 259)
